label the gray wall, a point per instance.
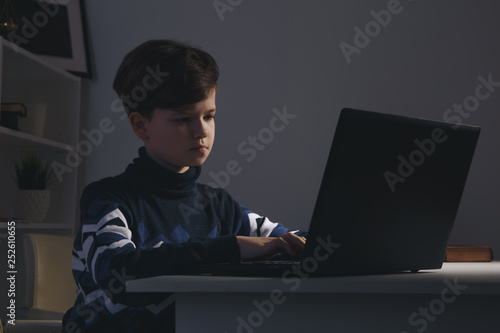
(286, 53)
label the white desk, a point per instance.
(461, 297)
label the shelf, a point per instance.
(25, 66)
(37, 225)
(16, 139)
(31, 80)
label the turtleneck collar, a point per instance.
(157, 177)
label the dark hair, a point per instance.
(164, 74)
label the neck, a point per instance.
(162, 162)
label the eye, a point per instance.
(210, 117)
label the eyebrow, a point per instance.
(188, 112)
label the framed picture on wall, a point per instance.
(53, 29)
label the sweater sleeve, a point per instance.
(111, 256)
(249, 223)
(260, 226)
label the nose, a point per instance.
(199, 130)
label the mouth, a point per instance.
(200, 149)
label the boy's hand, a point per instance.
(262, 248)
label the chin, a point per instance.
(197, 163)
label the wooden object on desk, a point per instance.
(469, 253)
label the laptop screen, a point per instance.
(390, 191)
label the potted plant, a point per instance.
(32, 177)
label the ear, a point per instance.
(138, 124)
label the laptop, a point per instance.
(387, 202)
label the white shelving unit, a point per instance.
(29, 79)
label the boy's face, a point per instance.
(178, 140)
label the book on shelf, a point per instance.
(15, 219)
(10, 113)
(468, 253)
(13, 107)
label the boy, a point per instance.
(154, 219)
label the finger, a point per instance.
(284, 246)
(296, 242)
(289, 236)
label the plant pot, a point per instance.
(33, 204)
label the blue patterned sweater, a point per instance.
(146, 222)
